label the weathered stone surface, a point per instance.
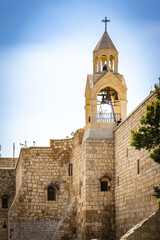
(7, 187)
(148, 229)
(134, 198)
(33, 230)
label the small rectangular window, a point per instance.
(4, 202)
(4, 226)
(138, 167)
(70, 169)
(51, 193)
(118, 181)
(104, 186)
(127, 152)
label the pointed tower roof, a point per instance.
(105, 43)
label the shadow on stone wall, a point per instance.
(66, 228)
(146, 229)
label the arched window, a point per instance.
(51, 193)
(5, 201)
(105, 184)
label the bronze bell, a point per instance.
(103, 100)
(105, 67)
(116, 97)
(107, 97)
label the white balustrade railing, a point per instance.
(108, 117)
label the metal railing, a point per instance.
(108, 117)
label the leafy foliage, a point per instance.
(157, 194)
(148, 134)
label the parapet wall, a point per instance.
(8, 162)
(31, 210)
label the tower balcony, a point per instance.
(108, 117)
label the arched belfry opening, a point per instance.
(105, 62)
(108, 108)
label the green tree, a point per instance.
(148, 134)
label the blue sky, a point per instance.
(46, 53)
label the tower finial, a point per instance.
(105, 20)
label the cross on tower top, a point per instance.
(105, 20)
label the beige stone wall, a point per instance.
(31, 209)
(7, 187)
(67, 226)
(92, 159)
(77, 179)
(147, 229)
(81, 209)
(99, 206)
(8, 162)
(133, 192)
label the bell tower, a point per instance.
(106, 91)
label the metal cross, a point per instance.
(105, 20)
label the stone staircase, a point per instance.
(148, 229)
(66, 226)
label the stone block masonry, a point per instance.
(44, 166)
(7, 188)
(148, 229)
(136, 174)
(8, 162)
(77, 168)
(92, 160)
(99, 205)
(33, 230)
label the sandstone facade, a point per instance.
(7, 191)
(147, 229)
(136, 174)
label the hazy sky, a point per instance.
(46, 53)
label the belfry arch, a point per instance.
(107, 61)
(108, 107)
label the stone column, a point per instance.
(108, 68)
(94, 110)
(88, 113)
(103, 59)
(123, 108)
(99, 65)
(95, 65)
(112, 64)
(116, 64)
